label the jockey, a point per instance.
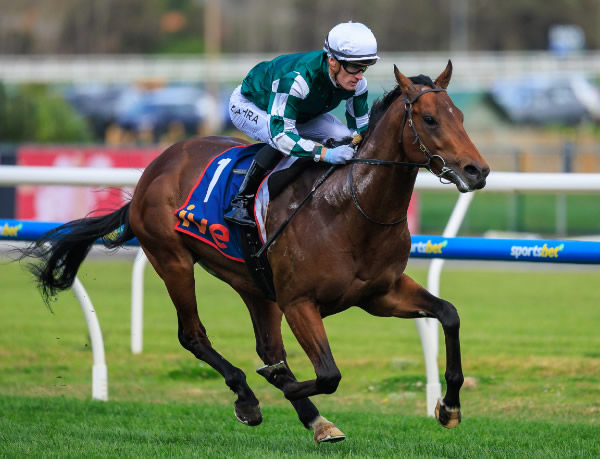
(285, 103)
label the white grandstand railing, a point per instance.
(76, 176)
(427, 328)
(473, 69)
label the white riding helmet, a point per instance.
(351, 41)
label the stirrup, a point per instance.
(239, 213)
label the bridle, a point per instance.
(407, 119)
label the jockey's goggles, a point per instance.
(355, 67)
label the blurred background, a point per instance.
(112, 82)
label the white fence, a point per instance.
(496, 182)
(427, 328)
(473, 69)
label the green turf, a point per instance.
(512, 212)
(530, 354)
(47, 427)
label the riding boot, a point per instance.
(241, 206)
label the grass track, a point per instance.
(529, 341)
(528, 212)
(69, 427)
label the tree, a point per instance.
(32, 113)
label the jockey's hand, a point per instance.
(339, 155)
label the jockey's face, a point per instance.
(346, 80)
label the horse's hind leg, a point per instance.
(409, 300)
(266, 319)
(177, 272)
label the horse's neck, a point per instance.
(384, 189)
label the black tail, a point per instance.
(62, 250)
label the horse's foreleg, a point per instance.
(447, 410)
(178, 276)
(409, 300)
(266, 318)
(306, 323)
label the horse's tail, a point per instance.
(61, 250)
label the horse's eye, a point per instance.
(430, 120)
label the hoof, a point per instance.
(325, 431)
(269, 372)
(248, 414)
(448, 417)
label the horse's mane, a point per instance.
(382, 104)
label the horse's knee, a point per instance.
(197, 345)
(185, 341)
(448, 317)
(328, 383)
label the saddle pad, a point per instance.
(201, 216)
(279, 177)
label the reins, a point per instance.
(373, 162)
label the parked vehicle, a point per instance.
(158, 109)
(145, 110)
(544, 99)
(98, 103)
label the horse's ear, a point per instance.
(405, 84)
(444, 79)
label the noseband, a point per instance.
(407, 119)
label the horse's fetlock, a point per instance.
(235, 379)
(454, 379)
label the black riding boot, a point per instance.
(241, 205)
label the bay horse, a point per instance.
(347, 246)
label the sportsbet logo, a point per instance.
(535, 251)
(428, 247)
(10, 231)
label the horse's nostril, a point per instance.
(473, 171)
(476, 172)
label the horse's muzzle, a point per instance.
(475, 175)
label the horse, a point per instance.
(348, 245)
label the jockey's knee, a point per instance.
(339, 132)
(268, 157)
